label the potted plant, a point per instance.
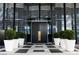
(2, 37)
(16, 41)
(63, 40)
(57, 38)
(9, 42)
(71, 41)
(21, 37)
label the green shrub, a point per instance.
(10, 34)
(69, 34)
(62, 34)
(20, 35)
(56, 35)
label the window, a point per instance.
(69, 15)
(45, 12)
(9, 15)
(59, 17)
(1, 15)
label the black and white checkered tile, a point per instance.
(38, 49)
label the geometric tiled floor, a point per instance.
(22, 51)
(38, 49)
(26, 46)
(55, 51)
(51, 46)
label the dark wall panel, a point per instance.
(39, 27)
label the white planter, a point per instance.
(70, 45)
(57, 41)
(16, 42)
(63, 43)
(21, 41)
(9, 45)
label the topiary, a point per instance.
(20, 35)
(69, 34)
(10, 34)
(56, 35)
(62, 34)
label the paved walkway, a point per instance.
(38, 49)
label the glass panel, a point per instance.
(45, 12)
(49, 32)
(34, 12)
(9, 16)
(19, 15)
(69, 15)
(1, 15)
(59, 15)
(77, 21)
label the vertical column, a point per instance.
(28, 11)
(64, 5)
(39, 11)
(3, 16)
(14, 5)
(51, 20)
(75, 22)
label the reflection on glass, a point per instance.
(1, 14)
(59, 17)
(69, 16)
(39, 35)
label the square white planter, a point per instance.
(63, 44)
(16, 42)
(9, 45)
(71, 45)
(21, 41)
(57, 41)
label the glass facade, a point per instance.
(77, 21)
(1, 15)
(8, 16)
(69, 15)
(57, 16)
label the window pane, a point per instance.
(69, 15)
(1, 15)
(45, 12)
(9, 16)
(77, 21)
(59, 25)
